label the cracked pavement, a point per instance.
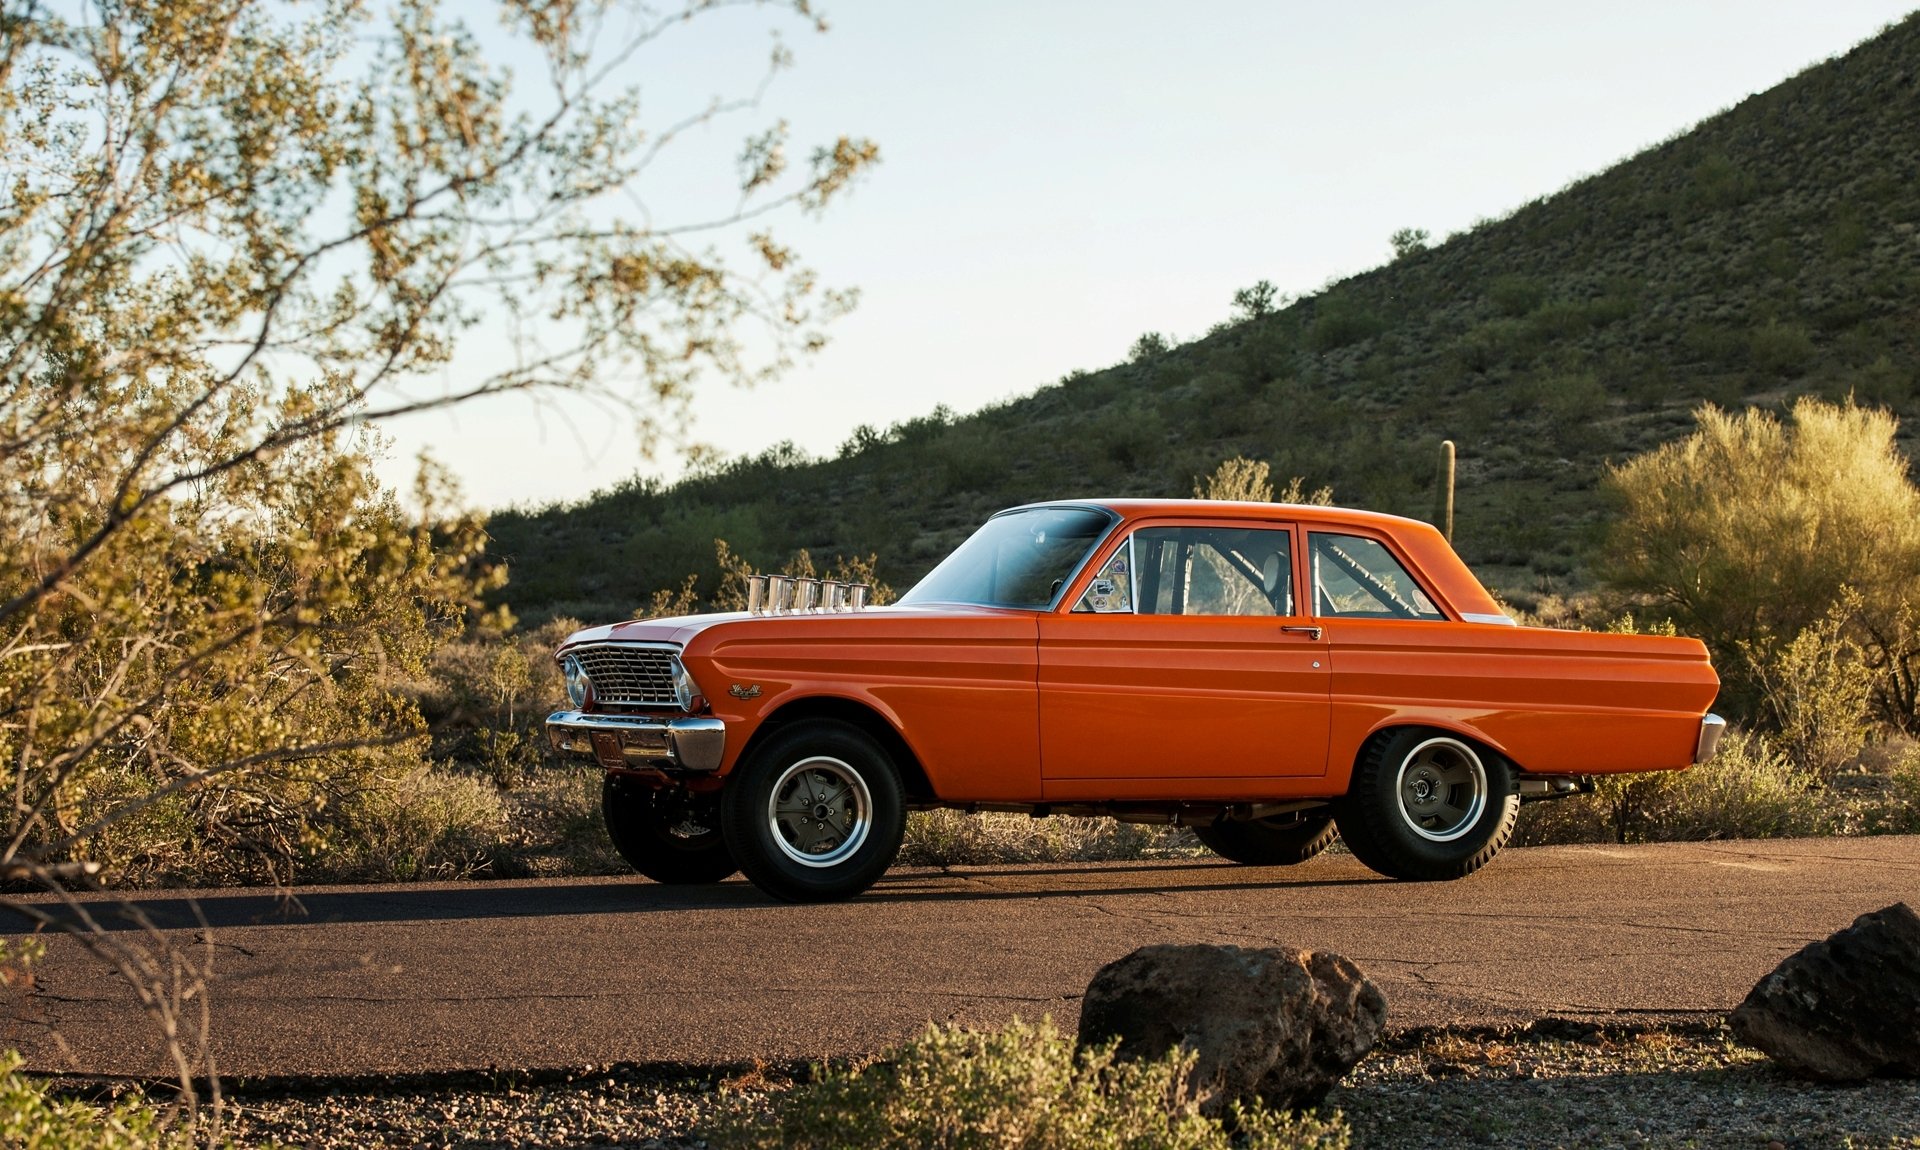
(542, 974)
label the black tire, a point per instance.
(1426, 806)
(1281, 841)
(666, 834)
(815, 813)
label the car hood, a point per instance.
(681, 629)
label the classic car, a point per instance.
(1269, 675)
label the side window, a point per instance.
(1214, 571)
(1111, 591)
(1356, 576)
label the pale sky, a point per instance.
(1059, 177)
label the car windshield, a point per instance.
(1019, 559)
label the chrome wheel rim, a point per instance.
(1441, 790)
(820, 812)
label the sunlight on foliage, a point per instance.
(1749, 530)
(1021, 1087)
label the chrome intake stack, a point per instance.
(788, 595)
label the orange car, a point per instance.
(1269, 675)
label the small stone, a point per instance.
(1273, 1025)
(1845, 1008)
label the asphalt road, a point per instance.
(544, 974)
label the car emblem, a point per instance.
(740, 692)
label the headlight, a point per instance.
(685, 691)
(579, 687)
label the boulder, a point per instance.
(1275, 1025)
(1845, 1008)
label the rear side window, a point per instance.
(1358, 577)
(1198, 571)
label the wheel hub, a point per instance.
(1442, 789)
(820, 811)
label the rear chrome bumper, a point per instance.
(689, 743)
(1712, 727)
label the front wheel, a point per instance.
(666, 834)
(1427, 806)
(1280, 841)
(815, 813)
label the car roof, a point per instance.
(1233, 509)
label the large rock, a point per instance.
(1846, 1008)
(1280, 1026)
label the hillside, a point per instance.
(1768, 252)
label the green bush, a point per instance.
(1749, 530)
(1780, 349)
(1817, 690)
(426, 824)
(1750, 790)
(1338, 324)
(1130, 437)
(1022, 1087)
(33, 1119)
(1898, 811)
(1719, 183)
(1516, 295)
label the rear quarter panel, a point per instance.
(1555, 702)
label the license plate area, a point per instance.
(606, 748)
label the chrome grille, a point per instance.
(625, 675)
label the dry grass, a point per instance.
(952, 838)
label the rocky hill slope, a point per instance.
(1769, 251)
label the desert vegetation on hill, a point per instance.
(1761, 255)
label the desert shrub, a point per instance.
(426, 824)
(1718, 183)
(1408, 242)
(1749, 790)
(1898, 808)
(1561, 320)
(1256, 301)
(1572, 400)
(1780, 349)
(1021, 1087)
(1516, 295)
(1150, 345)
(33, 1118)
(1129, 437)
(1747, 531)
(486, 695)
(1817, 691)
(1492, 343)
(1338, 324)
(211, 693)
(953, 838)
(554, 827)
(1240, 479)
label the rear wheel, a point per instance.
(1425, 805)
(665, 833)
(1280, 841)
(815, 813)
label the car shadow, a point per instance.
(886, 891)
(253, 908)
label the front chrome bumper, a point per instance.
(1712, 727)
(690, 743)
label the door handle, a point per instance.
(1309, 632)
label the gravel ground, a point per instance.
(1550, 1085)
(1566, 1085)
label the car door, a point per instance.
(1187, 656)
